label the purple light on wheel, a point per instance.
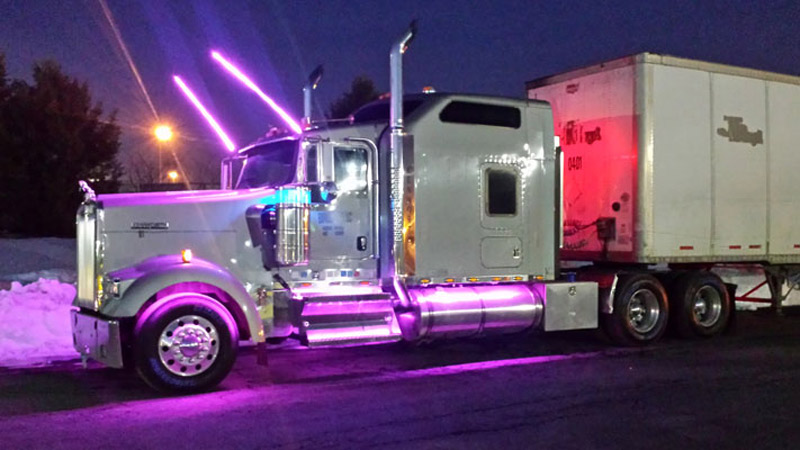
(209, 118)
(252, 86)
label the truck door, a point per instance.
(341, 233)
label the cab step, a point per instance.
(327, 320)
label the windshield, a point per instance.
(271, 164)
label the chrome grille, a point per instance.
(86, 221)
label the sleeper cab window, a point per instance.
(350, 168)
(501, 191)
(473, 113)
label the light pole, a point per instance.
(163, 134)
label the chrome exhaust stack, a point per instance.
(313, 81)
(396, 145)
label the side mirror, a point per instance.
(230, 168)
(226, 174)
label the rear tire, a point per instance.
(640, 311)
(701, 305)
(187, 344)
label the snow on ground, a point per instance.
(37, 279)
(34, 323)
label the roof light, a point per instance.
(249, 83)
(211, 121)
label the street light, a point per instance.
(163, 134)
(173, 175)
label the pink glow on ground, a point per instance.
(210, 119)
(487, 365)
(249, 83)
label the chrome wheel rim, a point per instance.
(643, 311)
(188, 345)
(707, 306)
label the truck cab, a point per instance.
(421, 217)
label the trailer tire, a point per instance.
(701, 305)
(640, 311)
(186, 344)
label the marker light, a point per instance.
(211, 121)
(247, 82)
(186, 255)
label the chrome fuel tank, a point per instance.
(449, 312)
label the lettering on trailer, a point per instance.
(150, 226)
(574, 134)
(737, 131)
(574, 163)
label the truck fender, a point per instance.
(169, 272)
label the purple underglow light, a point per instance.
(247, 82)
(354, 333)
(210, 119)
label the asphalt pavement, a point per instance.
(562, 390)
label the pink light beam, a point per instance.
(249, 83)
(209, 118)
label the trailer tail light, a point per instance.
(686, 247)
(186, 256)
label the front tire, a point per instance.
(640, 311)
(701, 305)
(187, 344)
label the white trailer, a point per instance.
(679, 162)
(693, 161)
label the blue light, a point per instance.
(287, 196)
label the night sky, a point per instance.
(489, 47)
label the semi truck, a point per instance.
(604, 199)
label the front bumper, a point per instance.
(97, 338)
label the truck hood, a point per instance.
(109, 201)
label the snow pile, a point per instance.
(34, 323)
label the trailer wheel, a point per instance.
(701, 305)
(640, 311)
(186, 344)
